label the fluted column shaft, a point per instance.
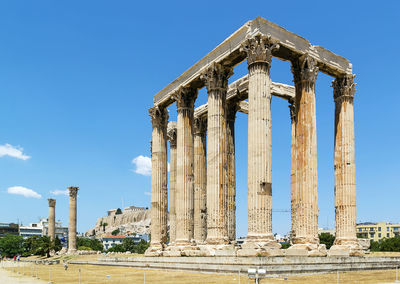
(216, 79)
(306, 193)
(159, 198)
(345, 175)
(52, 219)
(231, 192)
(293, 193)
(172, 186)
(259, 53)
(184, 205)
(200, 180)
(73, 192)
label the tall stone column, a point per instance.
(200, 180)
(232, 108)
(52, 219)
(185, 98)
(260, 239)
(172, 183)
(159, 198)
(305, 200)
(73, 192)
(293, 193)
(216, 80)
(345, 170)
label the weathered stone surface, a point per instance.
(200, 180)
(184, 203)
(52, 218)
(73, 193)
(172, 136)
(216, 80)
(305, 198)
(159, 200)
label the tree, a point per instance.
(129, 244)
(94, 244)
(327, 239)
(117, 248)
(57, 244)
(142, 246)
(104, 226)
(43, 246)
(115, 232)
(11, 245)
(118, 212)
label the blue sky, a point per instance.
(77, 78)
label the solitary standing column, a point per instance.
(52, 219)
(216, 80)
(232, 108)
(305, 200)
(159, 198)
(185, 98)
(73, 192)
(293, 170)
(200, 180)
(260, 239)
(172, 182)
(345, 170)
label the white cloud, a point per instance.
(59, 192)
(20, 190)
(15, 152)
(143, 165)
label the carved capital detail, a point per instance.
(216, 77)
(200, 126)
(159, 116)
(172, 137)
(52, 202)
(185, 98)
(344, 88)
(305, 69)
(292, 108)
(73, 191)
(259, 49)
(232, 107)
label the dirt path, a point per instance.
(7, 277)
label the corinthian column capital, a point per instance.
(52, 202)
(344, 88)
(292, 109)
(73, 191)
(259, 49)
(216, 77)
(159, 116)
(231, 110)
(185, 98)
(200, 126)
(172, 136)
(304, 69)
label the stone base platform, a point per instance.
(273, 265)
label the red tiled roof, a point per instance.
(114, 237)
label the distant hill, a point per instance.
(129, 221)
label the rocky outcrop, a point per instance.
(131, 221)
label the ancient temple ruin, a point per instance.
(202, 179)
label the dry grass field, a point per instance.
(91, 274)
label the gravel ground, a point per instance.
(7, 277)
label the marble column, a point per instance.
(159, 198)
(73, 192)
(259, 54)
(216, 80)
(345, 170)
(305, 200)
(184, 206)
(52, 219)
(172, 183)
(200, 180)
(293, 193)
(232, 108)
